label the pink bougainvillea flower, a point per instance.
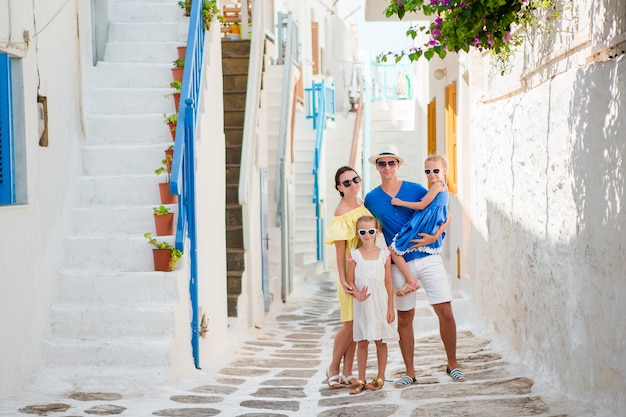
(507, 37)
(438, 21)
(432, 42)
(399, 3)
(476, 41)
(435, 33)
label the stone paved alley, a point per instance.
(279, 370)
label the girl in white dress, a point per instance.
(369, 272)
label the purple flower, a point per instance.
(476, 41)
(435, 33)
(432, 42)
(445, 2)
(438, 21)
(507, 37)
(399, 3)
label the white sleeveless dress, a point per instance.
(370, 316)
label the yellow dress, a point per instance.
(344, 228)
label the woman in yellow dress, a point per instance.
(341, 232)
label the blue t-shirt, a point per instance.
(392, 217)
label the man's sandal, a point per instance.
(358, 387)
(408, 289)
(334, 382)
(375, 385)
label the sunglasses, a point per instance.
(383, 164)
(363, 232)
(348, 183)
(434, 171)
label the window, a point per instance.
(432, 127)
(7, 164)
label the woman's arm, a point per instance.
(391, 316)
(420, 205)
(340, 252)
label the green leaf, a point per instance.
(428, 54)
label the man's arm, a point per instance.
(428, 239)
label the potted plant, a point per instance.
(164, 188)
(171, 121)
(165, 256)
(163, 220)
(182, 51)
(177, 71)
(210, 9)
(169, 156)
(177, 86)
(186, 6)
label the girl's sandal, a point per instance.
(358, 387)
(375, 385)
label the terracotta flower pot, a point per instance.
(164, 224)
(182, 50)
(169, 156)
(177, 73)
(172, 127)
(162, 259)
(166, 197)
(176, 101)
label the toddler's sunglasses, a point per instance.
(363, 232)
(434, 171)
(348, 183)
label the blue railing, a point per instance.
(183, 181)
(321, 107)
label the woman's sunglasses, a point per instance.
(348, 183)
(363, 232)
(434, 171)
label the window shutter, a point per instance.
(7, 177)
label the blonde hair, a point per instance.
(363, 219)
(439, 158)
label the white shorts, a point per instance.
(431, 274)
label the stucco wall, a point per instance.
(548, 255)
(31, 244)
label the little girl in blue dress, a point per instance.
(431, 212)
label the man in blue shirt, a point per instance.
(426, 268)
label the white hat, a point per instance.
(386, 150)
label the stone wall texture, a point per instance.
(548, 245)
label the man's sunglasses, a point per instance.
(363, 232)
(383, 164)
(434, 171)
(348, 183)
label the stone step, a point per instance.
(114, 321)
(138, 52)
(104, 221)
(132, 75)
(119, 190)
(124, 101)
(130, 352)
(112, 253)
(132, 32)
(137, 129)
(151, 287)
(122, 159)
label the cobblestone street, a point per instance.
(280, 371)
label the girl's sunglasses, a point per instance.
(348, 183)
(434, 171)
(363, 232)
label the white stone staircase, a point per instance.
(114, 315)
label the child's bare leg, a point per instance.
(381, 356)
(361, 357)
(411, 283)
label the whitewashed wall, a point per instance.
(548, 237)
(31, 244)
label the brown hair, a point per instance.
(338, 174)
(366, 218)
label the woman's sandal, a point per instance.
(334, 382)
(358, 387)
(346, 380)
(408, 289)
(375, 385)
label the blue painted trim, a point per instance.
(7, 162)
